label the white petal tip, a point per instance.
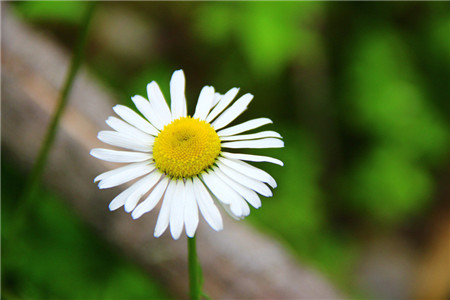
(102, 185)
(268, 194)
(94, 153)
(135, 98)
(176, 236)
(218, 227)
(113, 208)
(178, 74)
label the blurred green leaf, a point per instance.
(390, 182)
(440, 32)
(387, 98)
(270, 35)
(386, 186)
(69, 12)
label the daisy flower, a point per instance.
(184, 160)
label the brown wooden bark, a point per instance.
(238, 262)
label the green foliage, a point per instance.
(390, 183)
(69, 12)
(388, 187)
(387, 99)
(439, 28)
(270, 35)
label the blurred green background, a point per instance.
(359, 91)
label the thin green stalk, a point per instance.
(194, 283)
(38, 167)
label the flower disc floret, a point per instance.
(186, 147)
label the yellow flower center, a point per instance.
(186, 147)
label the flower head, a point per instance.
(181, 160)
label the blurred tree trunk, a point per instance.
(238, 262)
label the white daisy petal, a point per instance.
(232, 112)
(222, 104)
(245, 192)
(259, 135)
(119, 139)
(152, 200)
(124, 174)
(178, 99)
(223, 192)
(227, 209)
(216, 189)
(164, 213)
(205, 102)
(134, 119)
(127, 129)
(117, 170)
(249, 170)
(149, 112)
(120, 199)
(256, 144)
(250, 157)
(249, 182)
(190, 210)
(206, 205)
(150, 181)
(217, 98)
(176, 218)
(245, 208)
(124, 177)
(119, 156)
(243, 211)
(157, 100)
(246, 126)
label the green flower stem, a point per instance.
(194, 282)
(38, 167)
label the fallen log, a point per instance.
(238, 262)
